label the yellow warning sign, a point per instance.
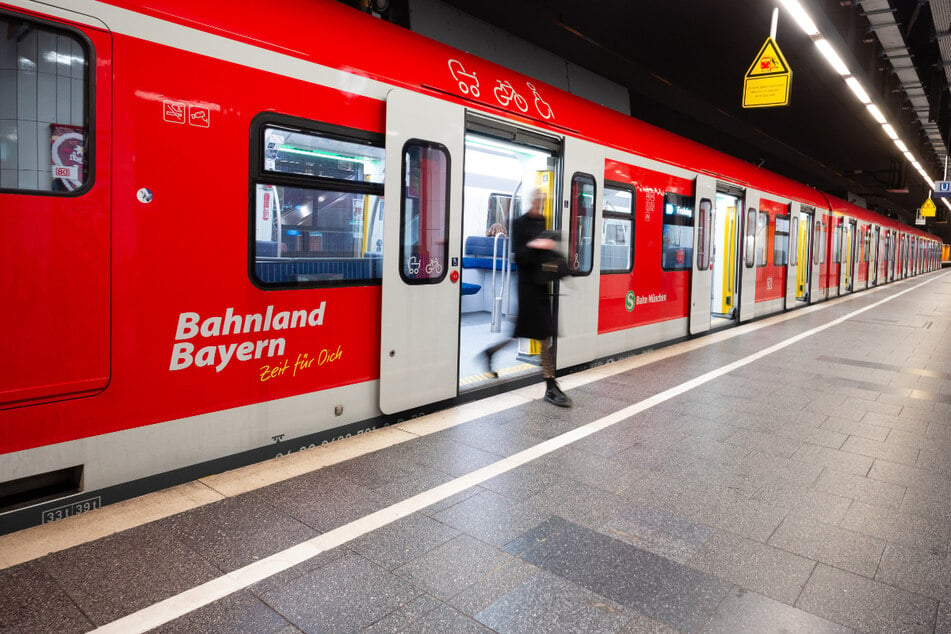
(928, 208)
(768, 78)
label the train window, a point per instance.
(781, 241)
(317, 204)
(44, 93)
(424, 224)
(581, 229)
(762, 231)
(677, 244)
(820, 243)
(704, 224)
(617, 229)
(749, 250)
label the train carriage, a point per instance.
(224, 242)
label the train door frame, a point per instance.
(419, 322)
(874, 249)
(701, 276)
(847, 255)
(747, 263)
(793, 257)
(576, 306)
(807, 225)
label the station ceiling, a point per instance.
(684, 62)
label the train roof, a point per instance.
(351, 41)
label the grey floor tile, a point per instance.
(864, 604)
(408, 613)
(655, 586)
(864, 489)
(444, 619)
(578, 502)
(324, 500)
(346, 595)
(523, 482)
(405, 539)
(32, 601)
(491, 517)
(829, 544)
(235, 532)
(125, 572)
(834, 459)
(453, 566)
(943, 624)
(878, 449)
(805, 500)
(591, 470)
(493, 586)
(907, 529)
(745, 612)
(548, 603)
(239, 612)
(918, 571)
(765, 443)
(743, 516)
(854, 428)
(770, 571)
(659, 532)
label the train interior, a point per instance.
(724, 296)
(499, 176)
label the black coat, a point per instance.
(534, 319)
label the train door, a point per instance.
(504, 164)
(873, 256)
(421, 235)
(55, 209)
(727, 218)
(847, 259)
(577, 300)
(754, 250)
(803, 274)
(704, 260)
(792, 258)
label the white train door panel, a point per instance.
(581, 240)
(792, 256)
(748, 263)
(419, 331)
(701, 276)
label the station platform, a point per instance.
(788, 475)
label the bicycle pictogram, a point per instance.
(505, 94)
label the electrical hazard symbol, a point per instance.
(768, 78)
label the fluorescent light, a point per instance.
(801, 17)
(832, 57)
(901, 145)
(876, 113)
(858, 90)
(890, 131)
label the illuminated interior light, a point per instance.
(876, 113)
(333, 155)
(858, 91)
(801, 17)
(832, 57)
(890, 131)
(909, 156)
(901, 145)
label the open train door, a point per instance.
(419, 331)
(701, 276)
(751, 235)
(581, 231)
(793, 259)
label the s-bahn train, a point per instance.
(225, 239)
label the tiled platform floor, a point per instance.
(808, 490)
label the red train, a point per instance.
(242, 242)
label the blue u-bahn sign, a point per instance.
(942, 189)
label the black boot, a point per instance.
(555, 396)
(487, 359)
